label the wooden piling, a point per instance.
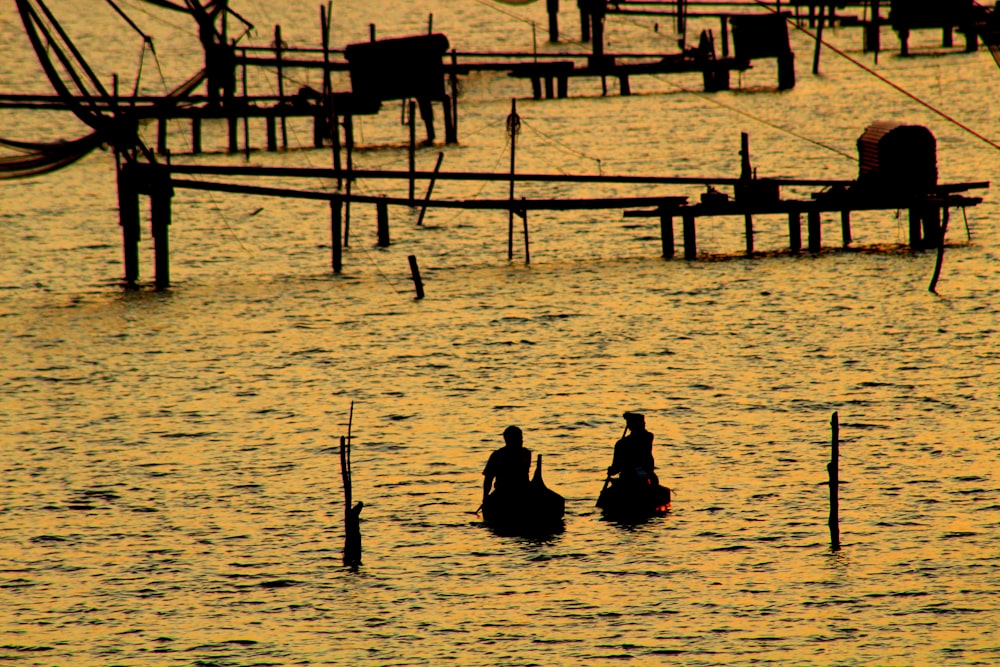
(336, 240)
(690, 243)
(430, 189)
(845, 227)
(527, 244)
(272, 134)
(748, 229)
(940, 253)
(453, 82)
(195, 135)
(815, 231)
(128, 218)
(667, 234)
(412, 152)
(819, 42)
(352, 513)
(281, 83)
(418, 284)
(233, 123)
(513, 127)
(161, 135)
(916, 241)
(160, 196)
(552, 7)
(795, 231)
(382, 212)
(833, 468)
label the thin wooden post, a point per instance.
(246, 117)
(382, 211)
(412, 153)
(352, 513)
(161, 135)
(527, 244)
(552, 6)
(940, 253)
(196, 134)
(160, 196)
(748, 229)
(819, 41)
(452, 138)
(845, 227)
(128, 218)
(272, 137)
(234, 143)
(513, 127)
(336, 240)
(794, 231)
(833, 468)
(349, 145)
(667, 234)
(690, 243)
(418, 284)
(281, 84)
(873, 41)
(430, 189)
(815, 231)
(916, 241)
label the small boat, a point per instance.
(629, 501)
(538, 510)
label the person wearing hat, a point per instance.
(507, 468)
(633, 458)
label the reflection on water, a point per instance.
(171, 474)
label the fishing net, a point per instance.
(41, 158)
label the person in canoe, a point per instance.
(636, 493)
(506, 471)
(633, 458)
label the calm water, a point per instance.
(171, 478)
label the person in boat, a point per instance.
(506, 471)
(633, 458)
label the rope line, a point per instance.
(888, 82)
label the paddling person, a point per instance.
(633, 458)
(506, 470)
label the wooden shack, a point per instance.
(896, 159)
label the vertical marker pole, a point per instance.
(833, 468)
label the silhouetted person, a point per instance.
(507, 468)
(633, 459)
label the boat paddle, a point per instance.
(607, 480)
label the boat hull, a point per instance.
(633, 501)
(536, 510)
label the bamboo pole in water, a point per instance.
(833, 468)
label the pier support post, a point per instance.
(833, 469)
(873, 41)
(128, 218)
(418, 284)
(931, 219)
(161, 135)
(160, 195)
(815, 231)
(845, 227)
(336, 240)
(786, 71)
(667, 234)
(234, 142)
(916, 241)
(196, 135)
(748, 228)
(272, 134)
(448, 109)
(453, 82)
(412, 152)
(552, 6)
(690, 243)
(795, 231)
(382, 210)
